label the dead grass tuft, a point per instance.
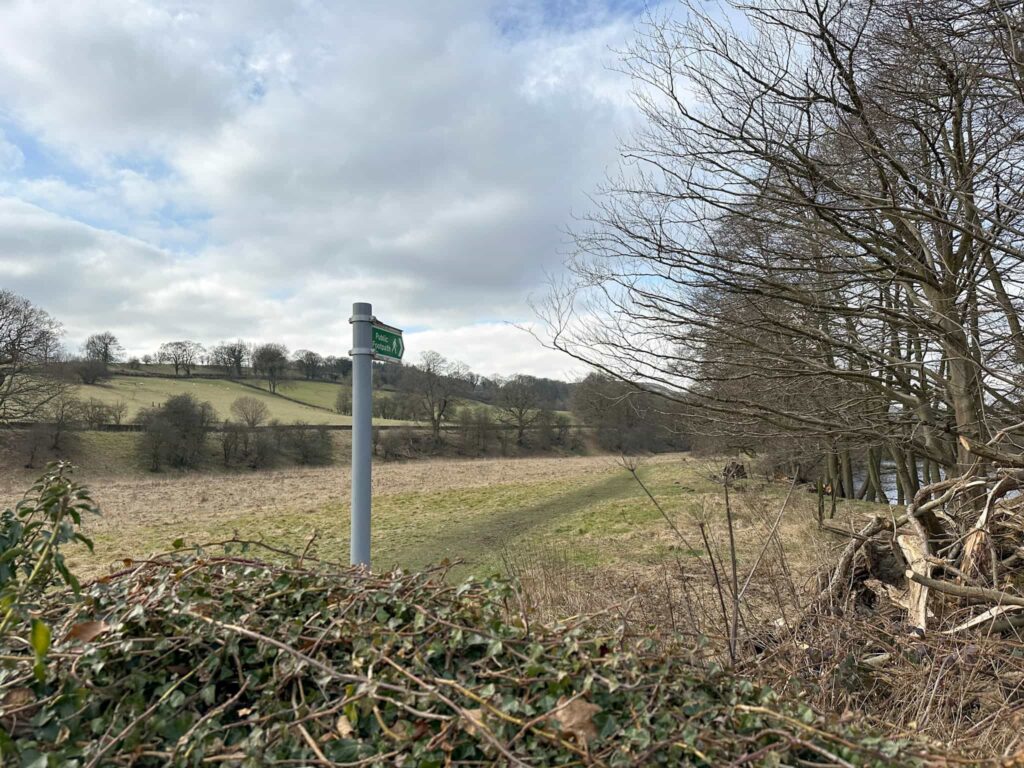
(864, 663)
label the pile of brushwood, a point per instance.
(952, 562)
(212, 656)
(919, 622)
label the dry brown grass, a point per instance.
(866, 663)
(424, 511)
(582, 537)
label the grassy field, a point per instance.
(321, 394)
(587, 512)
(324, 394)
(141, 392)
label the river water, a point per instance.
(887, 476)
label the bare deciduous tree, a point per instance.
(435, 382)
(250, 410)
(183, 355)
(29, 344)
(103, 347)
(818, 233)
(518, 404)
(310, 363)
(231, 356)
(270, 361)
(90, 370)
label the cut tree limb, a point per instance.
(975, 545)
(960, 590)
(915, 550)
(982, 618)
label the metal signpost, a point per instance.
(370, 339)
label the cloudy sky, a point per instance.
(249, 169)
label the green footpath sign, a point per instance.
(387, 342)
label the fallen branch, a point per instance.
(962, 590)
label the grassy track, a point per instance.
(426, 512)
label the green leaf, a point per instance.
(40, 637)
(178, 543)
(12, 553)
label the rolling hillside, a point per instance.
(296, 399)
(143, 392)
(323, 394)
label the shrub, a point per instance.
(257, 666)
(404, 443)
(262, 448)
(35, 443)
(311, 446)
(231, 441)
(118, 411)
(96, 413)
(32, 535)
(91, 371)
(343, 402)
(60, 416)
(544, 435)
(391, 444)
(563, 424)
(277, 434)
(476, 430)
(176, 432)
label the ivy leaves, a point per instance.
(214, 656)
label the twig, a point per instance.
(321, 757)
(771, 534)
(128, 728)
(734, 567)
(631, 468)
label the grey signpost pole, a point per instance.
(362, 411)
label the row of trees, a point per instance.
(34, 374)
(622, 417)
(273, 362)
(818, 241)
(437, 391)
(235, 359)
(239, 358)
(31, 341)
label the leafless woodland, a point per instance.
(816, 246)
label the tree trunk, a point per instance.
(832, 472)
(915, 480)
(903, 484)
(875, 475)
(849, 491)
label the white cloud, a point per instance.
(11, 157)
(494, 348)
(215, 170)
